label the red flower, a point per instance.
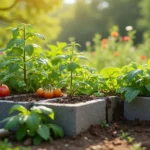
(143, 57)
(116, 53)
(114, 34)
(126, 38)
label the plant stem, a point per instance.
(71, 72)
(24, 59)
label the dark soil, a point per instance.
(104, 138)
(23, 98)
(64, 99)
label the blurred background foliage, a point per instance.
(87, 22)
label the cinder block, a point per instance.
(114, 100)
(139, 108)
(76, 118)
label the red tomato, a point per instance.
(40, 92)
(4, 90)
(49, 94)
(57, 92)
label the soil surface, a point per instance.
(120, 135)
(64, 99)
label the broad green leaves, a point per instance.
(19, 108)
(34, 123)
(134, 81)
(43, 131)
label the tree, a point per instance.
(92, 16)
(36, 12)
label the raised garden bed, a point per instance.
(139, 108)
(73, 118)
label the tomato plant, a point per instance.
(24, 61)
(4, 90)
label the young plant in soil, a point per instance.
(33, 123)
(134, 81)
(24, 60)
(108, 80)
(78, 79)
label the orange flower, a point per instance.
(104, 41)
(126, 38)
(143, 57)
(104, 46)
(116, 53)
(114, 34)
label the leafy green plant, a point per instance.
(33, 123)
(5, 145)
(24, 60)
(79, 79)
(126, 136)
(108, 80)
(134, 81)
(137, 146)
(104, 125)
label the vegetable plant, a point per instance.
(134, 81)
(5, 145)
(77, 78)
(108, 80)
(33, 123)
(24, 60)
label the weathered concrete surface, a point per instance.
(139, 108)
(76, 118)
(114, 100)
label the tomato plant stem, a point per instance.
(24, 59)
(71, 72)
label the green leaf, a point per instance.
(43, 131)
(147, 87)
(13, 68)
(19, 108)
(134, 73)
(40, 36)
(57, 131)
(98, 94)
(15, 32)
(62, 57)
(131, 94)
(23, 119)
(82, 57)
(43, 110)
(12, 122)
(110, 72)
(62, 67)
(33, 121)
(21, 132)
(29, 49)
(17, 51)
(72, 66)
(37, 140)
